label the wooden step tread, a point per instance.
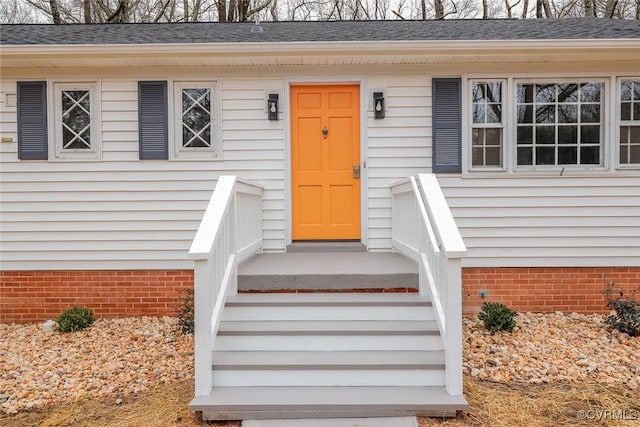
(314, 402)
(328, 359)
(329, 327)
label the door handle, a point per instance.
(325, 132)
(356, 171)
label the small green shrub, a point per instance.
(627, 316)
(74, 319)
(497, 317)
(184, 311)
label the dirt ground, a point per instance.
(491, 404)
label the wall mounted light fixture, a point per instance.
(272, 106)
(378, 105)
(257, 28)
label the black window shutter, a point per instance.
(32, 121)
(153, 120)
(447, 125)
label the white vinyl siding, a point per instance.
(8, 115)
(547, 221)
(398, 146)
(254, 148)
(124, 213)
(121, 212)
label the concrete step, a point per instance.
(232, 403)
(327, 271)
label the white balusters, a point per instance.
(423, 229)
(230, 230)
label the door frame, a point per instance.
(360, 81)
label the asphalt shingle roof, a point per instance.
(320, 31)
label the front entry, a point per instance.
(325, 155)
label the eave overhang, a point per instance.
(318, 53)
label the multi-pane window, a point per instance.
(76, 123)
(630, 122)
(76, 119)
(487, 124)
(559, 124)
(195, 117)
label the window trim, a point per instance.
(468, 140)
(513, 114)
(618, 123)
(176, 149)
(510, 118)
(55, 121)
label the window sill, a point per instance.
(196, 157)
(632, 167)
(551, 174)
(487, 170)
(76, 159)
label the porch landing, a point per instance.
(327, 271)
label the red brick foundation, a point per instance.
(564, 289)
(34, 296)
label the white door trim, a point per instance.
(361, 81)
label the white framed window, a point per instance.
(196, 120)
(487, 124)
(629, 122)
(76, 130)
(559, 124)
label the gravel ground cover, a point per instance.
(115, 359)
(549, 348)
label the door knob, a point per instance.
(325, 132)
(356, 171)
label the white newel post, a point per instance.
(203, 296)
(453, 344)
(424, 229)
(232, 223)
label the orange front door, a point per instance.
(325, 150)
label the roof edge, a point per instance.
(320, 47)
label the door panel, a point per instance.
(310, 153)
(340, 150)
(326, 195)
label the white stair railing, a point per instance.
(230, 231)
(424, 230)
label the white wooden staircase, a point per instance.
(327, 355)
(323, 354)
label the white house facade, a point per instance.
(103, 169)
